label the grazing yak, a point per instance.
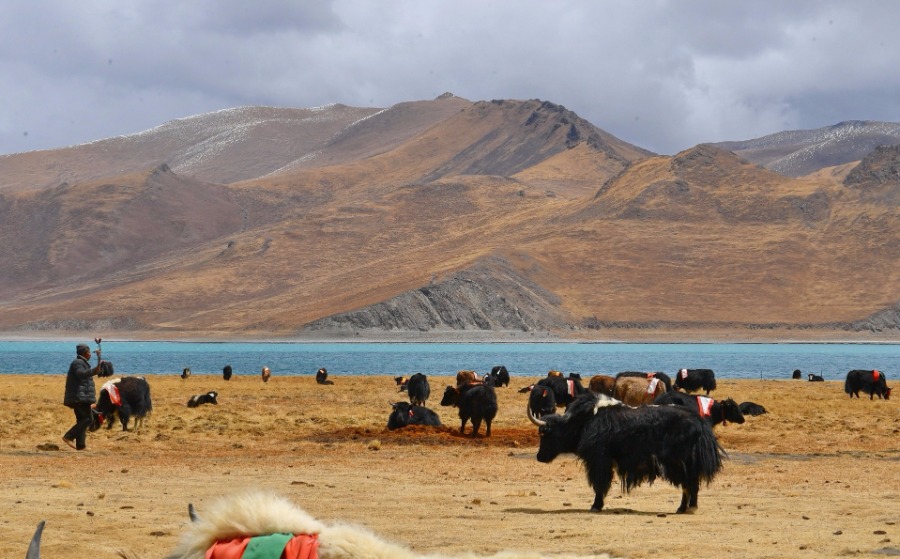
(711, 410)
(638, 391)
(476, 402)
(751, 408)
(404, 414)
(499, 376)
(651, 375)
(418, 389)
(210, 397)
(602, 384)
(553, 391)
(126, 396)
(640, 444)
(322, 376)
(693, 380)
(267, 525)
(871, 382)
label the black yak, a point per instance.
(640, 444)
(816, 378)
(693, 380)
(210, 397)
(227, 371)
(554, 391)
(499, 376)
(186, 372)
(714, 411)
(418, 389)
(126, 397)
(871, 382)
(476, 401)
(751, 408)
(404, 414)
(322, 376)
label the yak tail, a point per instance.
(708, 454)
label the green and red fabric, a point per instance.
(270, 546)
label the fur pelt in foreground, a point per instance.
(258, 513)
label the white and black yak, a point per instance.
(127, 397)
(499, 375)
(871, 382)
(404, 414)
(639, 444)
(277, 528)
(211, 397)
(322, 376)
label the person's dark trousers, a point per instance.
(78, 432)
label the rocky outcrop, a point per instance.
(488, 296)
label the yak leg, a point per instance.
(462, 425)
(487, 423)
(689, 496)
(124, 415)
(476, 424)
(600, 478)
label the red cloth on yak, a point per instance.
(271, 546)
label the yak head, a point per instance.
(561, 434)
(451, 396)
(731, 411)
(400, 415)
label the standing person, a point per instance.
(80, 394)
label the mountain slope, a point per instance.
(447, 216)
(800, 152)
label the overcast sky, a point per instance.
(662, 74)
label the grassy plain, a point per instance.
(818, 476)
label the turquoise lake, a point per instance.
(767, 361)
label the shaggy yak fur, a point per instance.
(135, 395)
(477, 402)
(255, 513)
(418, 389)
(639, 444)
(404, 414)
(872, 383)
(693, 380)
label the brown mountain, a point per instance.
(442, 217)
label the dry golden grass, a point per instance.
(816, 477)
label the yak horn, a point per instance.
(192, 513)
(34, 549)
(532, 418)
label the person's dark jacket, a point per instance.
(80, 383)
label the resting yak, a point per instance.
(210, 397)
(270, 522)
(663, 377)
(126, 396)
(640, 444)
(872, 383)
(711, 410)
(404, 414)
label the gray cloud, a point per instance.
(664, 75)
